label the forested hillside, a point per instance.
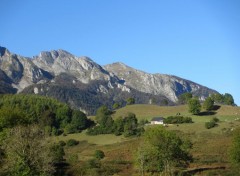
(54, 116)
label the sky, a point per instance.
(198, 40)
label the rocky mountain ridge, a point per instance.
(76, 80)
(156, 84)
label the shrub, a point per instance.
(177, 120)
(215, 119)
(93, 163)
(70, 128)
(57, 152)
(210, 124)
(99, 154)
(73, 158)
(62, 143)
(72, 142)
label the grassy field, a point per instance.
(148, 111)
(105, 139)
(143, 111)
(210, 146)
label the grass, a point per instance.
(210, 146)
(105, 139)
(143, 111)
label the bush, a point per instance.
(140, 131)
(177, 120)
(69, 129)
(57, 152)
(93, 163)
(62, 143)
(143, 122)
(73, 158)
(215, 119)
(130, 101)
(99, 130)
(210, 124)
(99, 154)
(72, 142)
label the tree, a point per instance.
(194, 106)
(130, 101)
(223, 99)
(27, 152)
(102, 115)
(208, 104)
(116, 106)
(130, 125)
(228, 99)
(79, 120)
(72, 142)
(184, 98)
(50, 114)
(63, 115)
(105, 121)
(161, 151)
(118, 126)
(48, 119)
(99, 154)
(57, 152)
(217, 98)
(11, 117)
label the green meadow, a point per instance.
(210, 146)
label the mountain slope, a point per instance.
(157, 84)
(60, 61)
(84, 84)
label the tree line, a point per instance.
(195, 105)
(127, 125)
(53, 116)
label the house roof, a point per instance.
(157, 119)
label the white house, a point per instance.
(157, 121)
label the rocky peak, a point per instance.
(48, 65)
(48, 57)
(60, 61)
(4, 51)
(156, 84)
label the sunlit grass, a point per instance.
(103, 139)
(210, 146)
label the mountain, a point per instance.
(86, 85)
(157, 84)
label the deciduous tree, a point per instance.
(28, 152)
(194, 106)
(161, 151)
(116, 106)
(208, 104)
(228, 99)
(130, 101)
(183, 98)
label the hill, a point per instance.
(210, 146)
(148, 111)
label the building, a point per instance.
(157, 121)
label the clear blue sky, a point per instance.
(197, 40)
